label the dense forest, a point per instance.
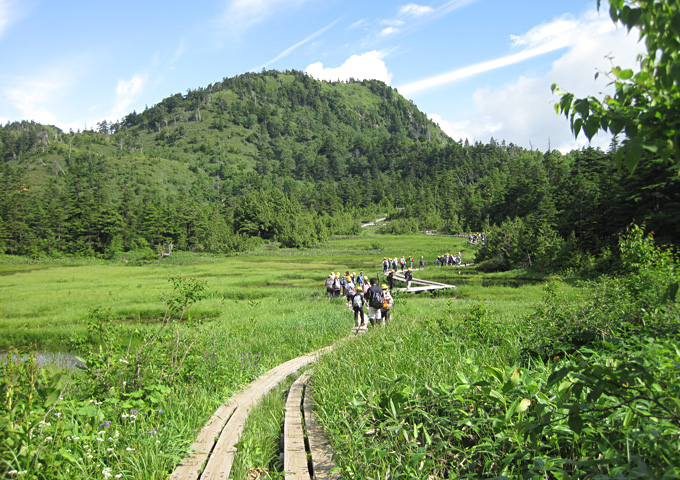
(279, 156)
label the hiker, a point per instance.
(385, 265)
(350, 289)
(365, 287)
(361, 278)
(402, 262)
(394, 263)
(409, 277)
(342, 282)
(337, 288)
(390, 279)
(438, 261)
(460, 258)
(388, 303)
(411, 260)
(329, 285)
(358, 307)
(422, 262)
(374, 298)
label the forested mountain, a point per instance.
(281, 156)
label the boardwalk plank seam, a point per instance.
(319, 447)
(295, 463)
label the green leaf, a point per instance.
(591, 127)
(615, 126)
(575, 423)
(629, 418)
(582, 107)
(497, 373)
(511, 410)
(524, 405)
(675, 24)
(460, 389)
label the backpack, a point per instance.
(357, 301)
(376, 300)
(349, 288)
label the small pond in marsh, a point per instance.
(57, 359)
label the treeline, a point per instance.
(279, 156)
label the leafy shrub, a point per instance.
(611, 414)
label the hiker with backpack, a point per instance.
(390, 279)
(408, 276)
(337, 287)
(402, 262)
(385, 265)
(422, 261)
(329, 285)
(388, 303)
(358, 307)
(374, 297)
(350, 289)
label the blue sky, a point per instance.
(479, 68)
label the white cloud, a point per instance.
(11, 11)
(415, 10)
(522, 111)
(561, 33)
(242, 14)
(290, 49)
(366, 66)
(388, 31)
(127, 91)
(30, 98)
(359, 23)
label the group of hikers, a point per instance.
(475, 238)
(403, 262)
(360, 291)
(448, 259)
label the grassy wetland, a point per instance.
(479, 381)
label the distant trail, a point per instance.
(378, 222)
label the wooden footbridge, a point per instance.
(306, 452)
(418, 285)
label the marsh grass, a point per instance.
(261, 310)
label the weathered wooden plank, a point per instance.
(294, 452)
(424, 289)
(220, 462)
(200, 450)
(320, 450)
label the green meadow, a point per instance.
(452, 385)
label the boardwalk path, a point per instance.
(212, 454)
(215, 446)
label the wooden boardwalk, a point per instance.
(419, 285)
(311, 460)
(215, 446)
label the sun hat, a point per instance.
(383, 286)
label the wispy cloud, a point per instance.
(37, 96)
(290, 49)
(240, 15)
(478, 68)
(127, 92)
(415, 10)
(558, 34)
(413, 15)
(521, 110)
(12, 11)
(369, 65)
